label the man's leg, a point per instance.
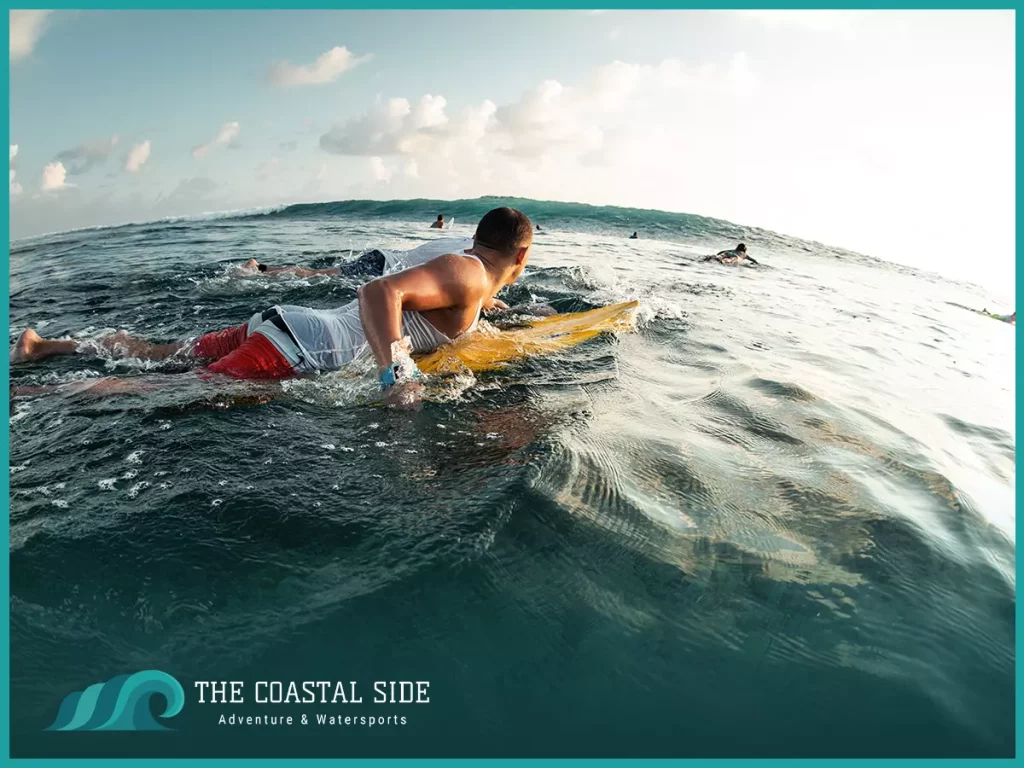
(30, 346)
(212, 346)
(255, 358)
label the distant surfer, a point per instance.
(735, 256)
(539, 229)
(370, 263)
(414, 310)
(634, 236)
(1012, 319)
(439, 224)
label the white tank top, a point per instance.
(396, 261)
(330, 338)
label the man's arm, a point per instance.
(302, 271)
(307, 272)
(442, 283)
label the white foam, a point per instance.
(137, 488)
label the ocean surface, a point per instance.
(776, 520)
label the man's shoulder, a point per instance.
(465, 271)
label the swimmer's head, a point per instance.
(440, 217)
(261, 267)
(741, 248)
(509, 234)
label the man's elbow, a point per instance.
(375, 291)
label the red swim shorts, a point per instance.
(242, 356)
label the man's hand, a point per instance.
(494, 305)
(405, 396)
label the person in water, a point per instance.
(1005, 318)
(439, 224)
(370, 263)
(539, 229)
(429, 304)
(634, 236)
(735, 256)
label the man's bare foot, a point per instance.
(24, 349)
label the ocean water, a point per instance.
(775, 520)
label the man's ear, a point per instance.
(521, 255)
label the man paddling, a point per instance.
(429, 305)
(370, 263)
(735, 256)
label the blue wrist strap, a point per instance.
(387, 378)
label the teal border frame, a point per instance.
(453, 5)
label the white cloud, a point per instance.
(86, 156)
(378, 170)
(224, 138)
(137, 157)
(54, 175)
(377, 132)
(26, 29)
(429, 113)
(587, 140)
(549, 122)
(395, 127)
(328, 67)
(15, 186)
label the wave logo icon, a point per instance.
(120, 704)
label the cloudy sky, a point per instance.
(887, 132)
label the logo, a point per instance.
(120, 704)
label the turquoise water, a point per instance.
(775, 520)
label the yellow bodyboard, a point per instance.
(490, 349)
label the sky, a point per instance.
(889, 133)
